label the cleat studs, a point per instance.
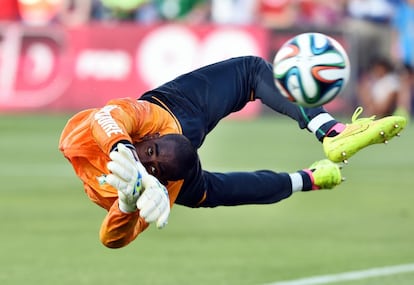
(343, 179)
(382, 133)
(396, 126)
(398, 134)
(386, 142)
(345, 161)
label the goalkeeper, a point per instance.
(137, 157)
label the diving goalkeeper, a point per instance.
(137, 157)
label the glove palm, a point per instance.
(154, 203)
(137, 189)
(125, 177)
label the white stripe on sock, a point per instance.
(318, 121)
(297, 182)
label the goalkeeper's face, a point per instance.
(169, 157)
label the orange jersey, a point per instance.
(86, 142)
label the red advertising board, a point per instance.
(57, 68)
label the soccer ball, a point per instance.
(311, 69)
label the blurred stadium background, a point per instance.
(61, 56)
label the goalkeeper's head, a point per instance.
(169, 158)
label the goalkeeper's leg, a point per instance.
(340, 141)
(267, 187)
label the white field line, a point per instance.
(351, 275)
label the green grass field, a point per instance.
(49, 229)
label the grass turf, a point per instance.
(49, 229)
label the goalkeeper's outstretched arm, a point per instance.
(118, 229)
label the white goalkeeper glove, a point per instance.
(137, 188)
(125, 177)
(154, 203)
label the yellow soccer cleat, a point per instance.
(325, 174)
(362, 133)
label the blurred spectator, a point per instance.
(320, 13)
(277, 13)
(240, 12)
(123, 5)
(121, 9)
(407, 88)
(369, 24)
(193, 11)
(39, 12)
(403, 33)
(9, 10)
(147, 13)
(99, 12)
(380, 91)
(402, 51)
(375, 11)
(75, 12)
(150, 11)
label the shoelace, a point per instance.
(358, 112)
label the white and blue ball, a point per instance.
(311, 69)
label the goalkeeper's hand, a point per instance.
(125, 177)
(132, 180)
(154, 203)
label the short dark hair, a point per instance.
(382, 61)
(185, 155)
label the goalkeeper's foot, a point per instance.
(324, 174)
(360, 134)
